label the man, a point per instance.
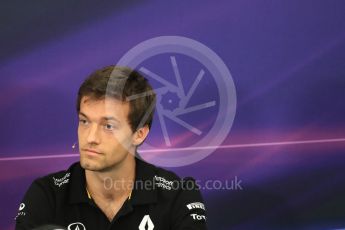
(111, 187)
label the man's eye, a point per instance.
(109, 127)
(83, 121)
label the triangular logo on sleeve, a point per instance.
(146, 223)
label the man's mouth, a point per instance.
(91, 151)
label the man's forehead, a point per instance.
(106, 102)
(93, 99)
(105, 108)
(105, 117)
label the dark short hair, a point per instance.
(124, 84)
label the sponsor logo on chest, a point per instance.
(61, 181)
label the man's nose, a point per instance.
(93, 135)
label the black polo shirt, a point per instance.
(159, 200)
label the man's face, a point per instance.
(104, 134)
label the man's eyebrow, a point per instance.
(82, 114)
(107, 118)
(111, 118)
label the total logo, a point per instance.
(198, 217)
(76, 226)
(146, 223)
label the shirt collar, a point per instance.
(144, 191)
(77, 192)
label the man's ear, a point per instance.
(140, 135)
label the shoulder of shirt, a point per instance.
(168, 180)
(59, 179)
(166, 173)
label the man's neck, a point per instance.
(113, 184)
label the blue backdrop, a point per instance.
(286, 58)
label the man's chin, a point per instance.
(90, 166)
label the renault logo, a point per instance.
(146, 223)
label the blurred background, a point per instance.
(286, 58)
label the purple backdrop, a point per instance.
(286, 58)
